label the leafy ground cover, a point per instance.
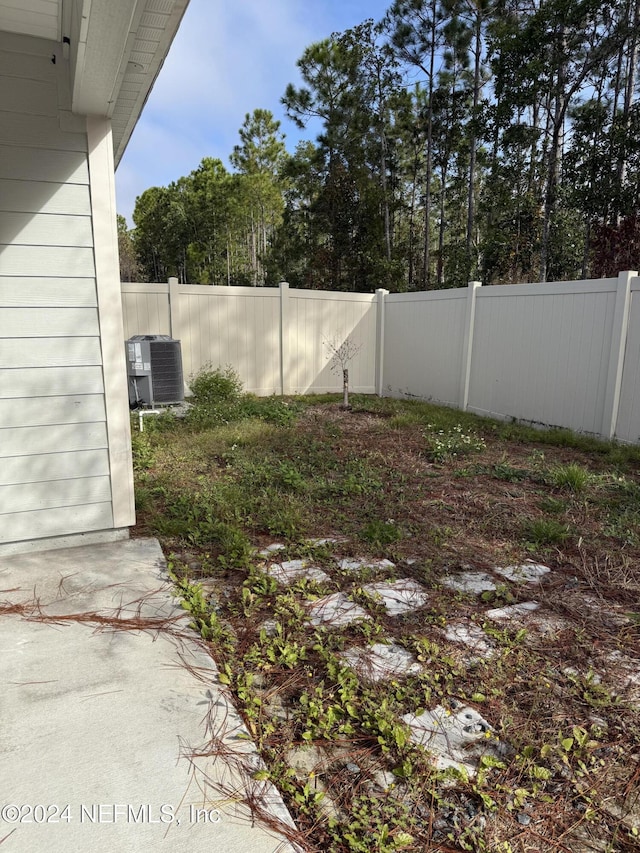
(426, 495)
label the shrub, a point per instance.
(212, 386)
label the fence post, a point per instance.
(467, 342)
(381, 293)
(616, 355)
(174, 330)
(284, 338)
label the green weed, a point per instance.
(573, 477)
(506, 472)
(142, 450)
(445, 445)
(544, 531)
(404, 420)
(554, 506)
(379, 533)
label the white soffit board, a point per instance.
(156, 29)
(119, 48)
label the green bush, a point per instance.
(210, 387)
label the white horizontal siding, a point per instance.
(44, 197)
(49, 352)
(46, 293)
(34, 97)
(46, 261)
(43, 524)
(40, 468)
(55, 471)
(50, 382)
(38, 164)
(34, 17)
(30, 440)
(39, 132)
(55, 322)
(14, 43)
(23, 497)
(29, 229)
(22, 65)
(80, 408)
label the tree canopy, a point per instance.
(459, 139)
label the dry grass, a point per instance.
(561, 688)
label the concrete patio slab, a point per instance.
(116, 734)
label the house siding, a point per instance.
(55, 466)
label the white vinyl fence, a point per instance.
(278, 340)
(557, 354)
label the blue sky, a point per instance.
(228, 58)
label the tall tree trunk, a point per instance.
(441, 230)
(412, 209)
(628, 96)
(385, 199)
(473, 140)
(426, 261)
(551, 190)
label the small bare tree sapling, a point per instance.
(341, 354)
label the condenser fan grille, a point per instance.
(166, 371)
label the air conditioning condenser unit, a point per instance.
(154, 365)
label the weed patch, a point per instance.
(450, 444)
(553, 683)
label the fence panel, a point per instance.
(318, 318)
(541, 352)
(628, 428)
(235, 326)
(145, 309)
(423, 344)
